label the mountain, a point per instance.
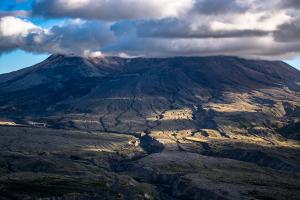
(121, 94)
(220, 115)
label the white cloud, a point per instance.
(13, 31)
(12, 26)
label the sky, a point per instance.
(31, 30)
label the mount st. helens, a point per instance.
(229, 96)
(186, 125)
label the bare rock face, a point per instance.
(190, 128)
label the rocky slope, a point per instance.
(215, 127)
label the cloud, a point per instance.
(263, 47)
(12, 26)
(159, 28)
(211, 7)
(111, 9)
(295, 4)
(73, 37)
(76, 36)
(174, 28)
(288, 32)
(12, 32)
(248, 35)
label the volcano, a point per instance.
(179, 117)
